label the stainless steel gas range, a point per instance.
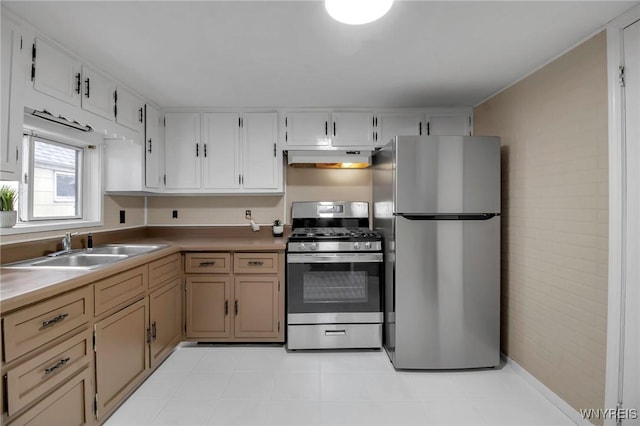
(334, 277)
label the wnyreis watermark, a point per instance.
(609, 413)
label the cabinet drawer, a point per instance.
(120, 288)
(164, 270)
(255, 263)
(31, 327)
(207, 263)
(68, 405)
(32, 379)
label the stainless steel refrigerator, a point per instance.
(436, 201)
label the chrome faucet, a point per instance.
(66, 241)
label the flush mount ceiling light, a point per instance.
(357, 12)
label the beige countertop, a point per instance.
(21, 287)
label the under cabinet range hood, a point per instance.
(329, 159)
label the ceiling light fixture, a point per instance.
(357, 12)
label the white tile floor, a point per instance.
(223, 385)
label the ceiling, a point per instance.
(292, 54)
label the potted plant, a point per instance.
(278, 228)
(8, 214)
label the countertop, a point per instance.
(21, 287)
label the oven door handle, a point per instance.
(335, 258)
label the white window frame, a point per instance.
(92, 179)
(27, 204)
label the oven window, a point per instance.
(335, 287)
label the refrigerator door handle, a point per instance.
(479, 216)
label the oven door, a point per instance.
(334, 288)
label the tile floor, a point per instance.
(257, 385)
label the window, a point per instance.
(55, 171)
(61, 186)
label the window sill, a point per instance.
(26, 228)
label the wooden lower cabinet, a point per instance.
(256, 306)
(122, 354)
(165, 316)
(69, 405)
(244, 305)
(208, 303)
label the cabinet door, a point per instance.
(352, 129)
(122, 354)
(56, 73)
(152, 148)
(448, 123)
(182, 150)
(165, 316)
(221, 150)
(256, 306)
(398, 124)
(12, 89)
(98, 93)
(130, 109)
(208, 306)
(70, 404)
(261, 159)
(306, 128)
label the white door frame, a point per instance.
(618, 259)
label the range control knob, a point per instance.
(367, 245)
(356, 246)
(302, 247)
(313, 246)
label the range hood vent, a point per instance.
(330, 159)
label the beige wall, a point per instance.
(302, 184)
(308, 184)
(218, 210)
(553, 126)
(134, 215)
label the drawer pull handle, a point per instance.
(335, 332)
(58, 364)
(207, 263)
(256, 263)
(52, 321)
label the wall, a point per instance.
(302, 184)
(553, 126)
(134, 215)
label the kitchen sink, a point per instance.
(73, 260)
(97, 257)
(126, 249)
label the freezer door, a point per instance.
(447, 293)
(447, 174)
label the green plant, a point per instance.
(277, 222)
(8, 197)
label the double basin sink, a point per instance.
(87, 259)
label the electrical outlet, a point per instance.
(174, 214)
(122, 217)
(247, 214)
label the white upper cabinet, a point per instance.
(56, 73)
(183, 147)
(221, 150)
(98, 93)
(392, 124)
(308, 128)
(238, 153)
(353, 129)
(153, 148)
(448, 123)
(129, 109)
(261, 158)
(12, 90)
